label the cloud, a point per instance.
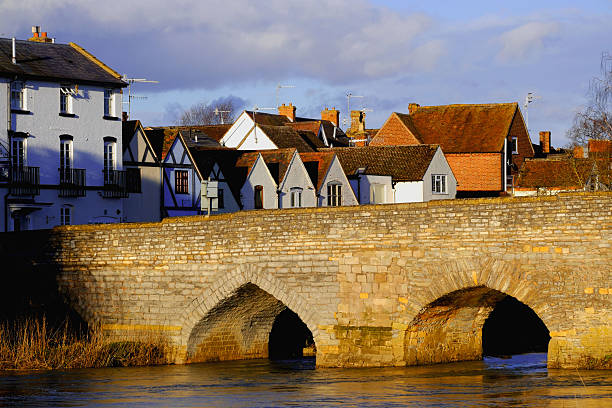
(209, 44)
(526, 40)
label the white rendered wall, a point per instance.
(88, 129)
(335, 174)
(409, 192)
(243, 136)
(361, 188)
(259, 176)
(186, 204)
(297, 176)
(439, 165)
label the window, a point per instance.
(377, 193)
(18, 152)
(258, 197)
(438, 183)
(65, 160)
(220, 199)
(65, 216)
(334, 194)
(109, 159)
(18, 96)
(514, 145)
(65, 101)
(181, 181)
(296, 197)
(109, 101)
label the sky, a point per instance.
(390, 53)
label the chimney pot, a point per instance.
(412, 107)
(43, 34)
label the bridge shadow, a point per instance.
(470, 323)
(249, 323)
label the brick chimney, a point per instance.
(357, 121)
(579, 152)
(333, 115)
(288, 111)
(38, 36)
(545, 141)
(412, 107)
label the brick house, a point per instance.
(485, 144)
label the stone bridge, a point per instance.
(383, 285)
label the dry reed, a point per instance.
(30, 344)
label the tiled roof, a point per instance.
(402, 163)
(268, 119)
(559, 173)
(286, 137)
(57, 62)
(161, 140)
(340, 140)
(278, 162)
(317, 164)
(600, 146)
(314, 126)
(470, 128)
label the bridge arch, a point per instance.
(454, 309)
(249, 300)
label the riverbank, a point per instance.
(31, 344)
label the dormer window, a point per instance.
(109, 103)
(334, 194)
(296, 197)
(18, 96)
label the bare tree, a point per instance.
(222, 110)
(595, 121)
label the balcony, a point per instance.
(25, 180)
(115, 184)
(72, 182)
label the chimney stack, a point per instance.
(333, 115)
(412, 107)
(288, 111)
(38, 36)
(579, 152)
(357, 121)
(545, 141)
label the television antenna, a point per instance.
(131, 81)
(530, 97)
(220, 113)
(279, 87)
(349, 95)
(255, 110)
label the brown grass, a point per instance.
(29, 344)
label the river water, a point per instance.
(521, 381)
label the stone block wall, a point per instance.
(367, 281)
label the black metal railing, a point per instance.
(72, 182)
(115, 184)
(25, 180)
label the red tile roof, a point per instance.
(560, 173)
(317, 164)
(278, 162)
(470, 128)
(402, 163)
(161, 140)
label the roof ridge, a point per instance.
(93, 59)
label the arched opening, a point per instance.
(469, 323)
(290, 338)
(513, 328)
(249, 323)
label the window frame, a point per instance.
(66, 215)
(66, 163)
(181, 181)
(334, 194)
(110, 159)
(18, 88)
(19, 160)
(258, 192)
(109, 103)
(296, 193)
(65, 94)
(220, 198)
(443, 184)
(514, 145)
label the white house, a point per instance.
(398, 174)
(60, 155)
(258, 189)
(294, 186)
(254, 130)
(332, 186)
(144, 171)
